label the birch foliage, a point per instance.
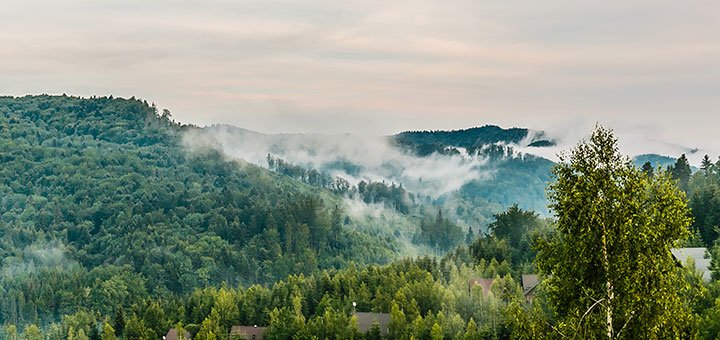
(610, 273)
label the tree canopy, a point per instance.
(610, 272)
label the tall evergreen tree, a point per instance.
(95, 333)
(681, 172)
(513, 224)
(706, 164)
(609, 269)
(470, 236)
(647, 168)
(119, 322)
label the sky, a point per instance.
(648, 68)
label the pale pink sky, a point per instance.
(378, 67)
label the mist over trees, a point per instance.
(100, 196)
(112, 228)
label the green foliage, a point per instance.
(103, 205)
(108, 332)
(704, 195)
(135, 329)
(33, 332)
(710, 322)
(517, 226)
(609, 270)
(438, 233)
(681, 172)
(422, 142)
(119, 321)
(111, 228)
(648, 169)
(517, 179)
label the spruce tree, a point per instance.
(647, 168)
(681, 172)
(119, 322)
(706, 164)
(470, 236)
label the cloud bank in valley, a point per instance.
(373, 158)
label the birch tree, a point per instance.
(610, 273)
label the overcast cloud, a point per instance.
(378, 67)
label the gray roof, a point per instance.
(698, 255)
(529, 282)
(248, 332)
(365, 321)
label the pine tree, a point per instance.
(470, 236)
(706, 164)
(647, 168)
(119, 322)
(436, 332)
(471, 331)
(81, 335)
(33, 332)
(681, 172)
(11, 331)
(135, 329)
(94, 332)
(108, 333)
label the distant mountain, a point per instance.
(658, 161)
(654, 159)
(427, 142)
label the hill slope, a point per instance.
(100, 197)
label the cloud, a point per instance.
(633, 138)
(379, 67)
(52, 255)
(375, 158)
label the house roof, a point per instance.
(486, 284)
(365, 321)
(172, 334)
(248, 332)
(529, 282)
(698, 255)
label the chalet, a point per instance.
(172, 334)
(529, 282)
(486, 284)
(682, 255)
(247, 332)
(366, 320)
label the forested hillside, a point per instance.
(117, 222)
(426, 142)
(102, 205)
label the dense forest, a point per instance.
(112, 228)
(426, 142)
(101, 204)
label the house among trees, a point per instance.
(366, 321)
(529, 283)
(682, 255)
(247, 332)
(172, 334)
(486, 284)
